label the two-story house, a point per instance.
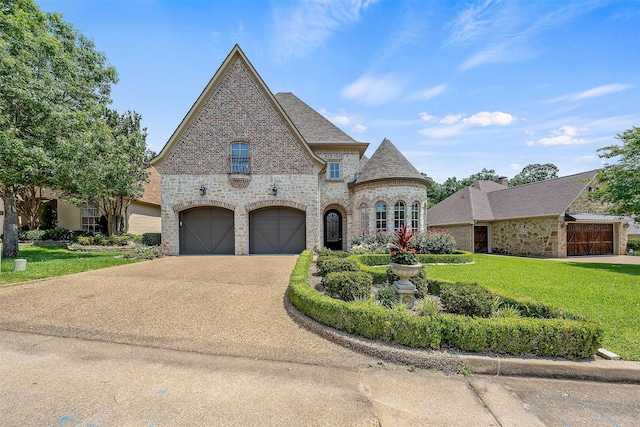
(250, 172)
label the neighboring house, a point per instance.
(633, 232)
(142, 215)
(250, 172)
(552, 218)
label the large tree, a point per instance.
(111, 168)
(533, 173)
(621, 180)
(439, 192)
(53, 86)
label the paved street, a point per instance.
(207, 341)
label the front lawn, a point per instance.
(607, 293)
(50, 261)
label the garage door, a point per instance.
(589, 239)
(277, 231)
(207, 230)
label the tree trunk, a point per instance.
(10, 248)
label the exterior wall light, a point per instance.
(203, 190)
(274, 190)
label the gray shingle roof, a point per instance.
(313, 126)
(388, 163)
(487, 202)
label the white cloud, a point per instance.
(593, 92)
(455, 124)
(427, 117)
(301, 27)
(566, 135)
(451, 119)
(427, 93)
(470, 23)
(373, 90)
(486, 118)
(359, 127)
(515, 166)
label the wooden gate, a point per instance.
(589, 239)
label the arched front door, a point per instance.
(333, 230)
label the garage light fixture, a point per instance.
(274, 190)
(203, 190)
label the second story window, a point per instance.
(240, 158)
(334, 170)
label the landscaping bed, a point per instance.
(552, 333)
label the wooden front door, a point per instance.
(480, 239)
(333, 230)
(589, 239)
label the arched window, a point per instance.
(399, 214)
(240, 158)
(415, 216)
(364, 218)
(381, 217)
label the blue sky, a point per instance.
(456, 86)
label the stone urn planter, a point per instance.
(404, 287)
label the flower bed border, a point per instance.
(557, 337)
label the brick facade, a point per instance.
(236, 106)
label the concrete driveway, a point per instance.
(224, 305)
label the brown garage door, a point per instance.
(589, 239)
(207, 230)
(277, 231)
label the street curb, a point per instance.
(599, 370)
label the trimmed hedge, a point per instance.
(328, 264)
(458, 257)
(347, 285)
(542, 337)
(152, 239)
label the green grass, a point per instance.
(606, 293)
(56, 261)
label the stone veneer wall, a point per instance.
(390, 192)
(582, 204)
(181, 192)
(543, 237)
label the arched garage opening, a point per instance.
(277, 230)
(207, 231)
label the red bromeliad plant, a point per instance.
(402, 254)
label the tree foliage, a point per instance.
(111, 168)
(621, 180)
(53, 86)
(535, 172)
(439, 192)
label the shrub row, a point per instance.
(52, 234)
(151, 239)
(543, 337)
(458, 257)
(329, 264)
(347, 285)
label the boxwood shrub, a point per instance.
(467, 299)
(328, 264)
(347, 285)
(152, 239)
(559, 337)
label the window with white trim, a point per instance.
(91, 217)
(334, 170)
(399, 214)
(381, 217)
(415, 216)
(240, 158)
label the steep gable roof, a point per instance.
(487, 202)
(388, 163)
(316, 129)
(235, 54)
